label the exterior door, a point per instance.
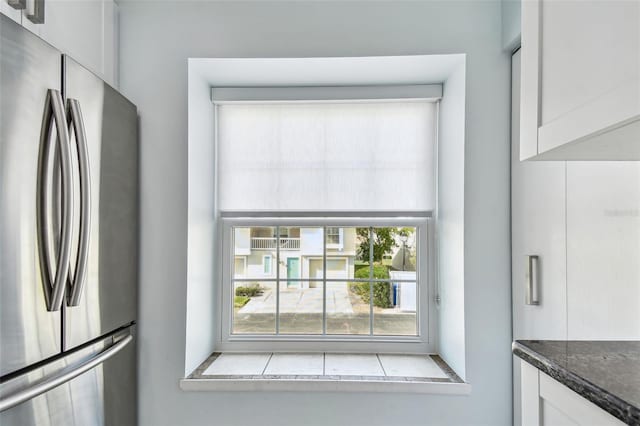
(28, 69)
(293, 271)
(108, 298)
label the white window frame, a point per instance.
(424, 342)
(340, 244)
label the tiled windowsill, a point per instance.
(333, 373)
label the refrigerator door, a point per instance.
(102, 395)
(102, 294)
(28, 69)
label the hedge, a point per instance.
(381, 289)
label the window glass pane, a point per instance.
(361, 297)
(257, 246)
(300, 307)
(394, 301)
(254, 307)
(349, 311)
(348, 307)
(399, 317)
(333, 236)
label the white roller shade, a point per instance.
(360, 156)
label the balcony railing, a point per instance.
(270, 243)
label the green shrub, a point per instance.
(381, 290)
(250, 291)
(240, 301)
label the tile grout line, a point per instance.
(381, 366)
(267, 364)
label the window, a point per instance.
(334, 236)
(266, 265)
(329, 203)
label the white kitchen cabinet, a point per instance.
(537, 228)
(83, 29)
(580, 80)
(547, 402)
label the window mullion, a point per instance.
(370, 282)
(324, 280)
(277, 280)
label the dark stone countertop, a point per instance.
(606, 373)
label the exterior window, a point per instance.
(371, 288)
(334, 236)
(266, 265)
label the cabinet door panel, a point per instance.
(537, 228)
(603, 242)
(75, 27)
(588, 49)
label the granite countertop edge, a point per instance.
(613, 405)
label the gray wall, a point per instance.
(156, 40)
(511, 27)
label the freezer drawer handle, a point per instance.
(76, 124)
(54, 289)
(62, 376)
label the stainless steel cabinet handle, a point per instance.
(76, 124)
(54, 288)
(18, 4)
(37, 17)
(62, 376)
(531, 278)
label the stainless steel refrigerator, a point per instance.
(68, 240)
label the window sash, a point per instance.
(420, 343)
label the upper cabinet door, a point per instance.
(83, 29)
(580, 80)
(537, 229)
(75, 27)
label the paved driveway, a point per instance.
(301, 301)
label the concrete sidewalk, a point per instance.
(299, 301)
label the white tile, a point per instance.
(411, 366)
(296, 364)
(352, 364)
(248, 363)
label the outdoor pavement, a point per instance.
(297, 301)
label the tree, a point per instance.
(383, 242)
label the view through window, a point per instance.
(325, 280)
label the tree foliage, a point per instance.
(383, 242)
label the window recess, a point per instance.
(336, 195)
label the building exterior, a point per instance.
(301, 251)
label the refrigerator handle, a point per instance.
(76, 124)
(54, 288)
(62, 376)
